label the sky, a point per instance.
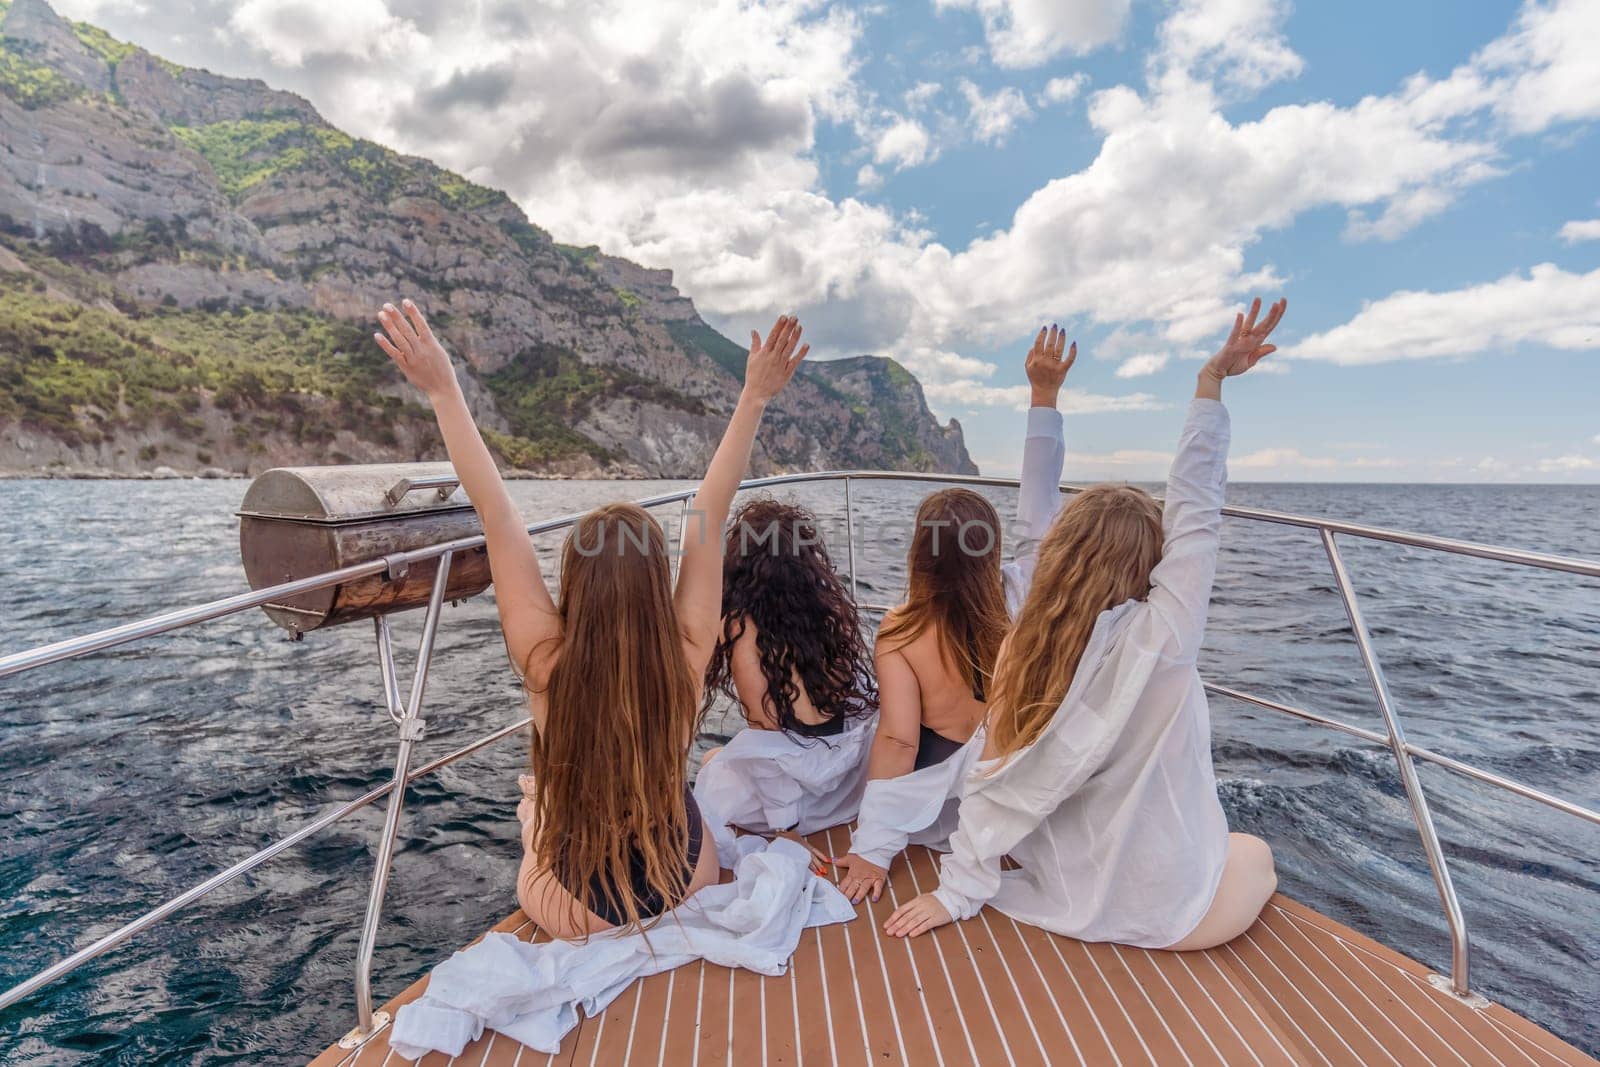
(934, 179)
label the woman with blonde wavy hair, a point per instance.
(1095, 773)
(614, 671)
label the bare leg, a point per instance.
(1248, 880)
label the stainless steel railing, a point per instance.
(408, 716)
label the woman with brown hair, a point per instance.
(1095, 773)
(611, 836)
(936, 652)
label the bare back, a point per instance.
(946, 702)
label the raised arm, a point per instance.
(1044, 453)
(1191, 515)
(768, 368)
(528, 615)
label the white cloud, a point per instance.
(1569, 464)
(1236, 42)
(1143, 364)
(903, 144)
(1291, 460)
(868, 178)
(1596, 439)
(1026, 33)
(290, 30)
(682, 134)
(921, 95)
(1062, 90)
(1548, 306)
(1544, 71)
(1581, 230)
(992, 117)
(968, 393)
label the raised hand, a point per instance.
(772, 362)
(414, 349)
(1047, 367)
(1246, 345)
(917, 917)
(859, 877)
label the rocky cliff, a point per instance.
(188, 270)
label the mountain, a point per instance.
(189, 267)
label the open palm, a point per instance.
(1246, 345)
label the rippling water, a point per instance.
(128, 776)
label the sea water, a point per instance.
(127, 776)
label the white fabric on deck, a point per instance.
(766, 780)
(920, 808)
(1113, 813)
(532, 992)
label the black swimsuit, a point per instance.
(934, 747)
(649, 902)
(827, 728)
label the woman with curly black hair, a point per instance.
(792, 655)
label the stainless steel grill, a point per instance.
(297, 522)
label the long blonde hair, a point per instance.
(953, 584)
(1098, 554)
(609, 765)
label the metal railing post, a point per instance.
(683, 537)
(1460, 946)
(850, 537)
(411, 731)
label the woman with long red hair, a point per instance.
(936, 651)
(614, 670)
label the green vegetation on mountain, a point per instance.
(101, 43)
(247, 152)
(83, 372)
(546, 390)
(33, 85)
(698, 337)
(210, 305)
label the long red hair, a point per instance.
(953, 584)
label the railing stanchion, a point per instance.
(850, 537)
(683, 537)
(412, 729)
(1460, 946)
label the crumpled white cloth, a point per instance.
(765, 780)
(532, 992)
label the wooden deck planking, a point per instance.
(1298, 988)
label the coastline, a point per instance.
(168, 474)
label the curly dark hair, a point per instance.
(777, 574)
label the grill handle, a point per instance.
(445, 483)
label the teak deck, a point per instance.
(1297, 988)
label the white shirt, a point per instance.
(920, 807)
(1113, 813)
(765, 780)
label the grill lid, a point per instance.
(353, 493)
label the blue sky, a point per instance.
(931, 179)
